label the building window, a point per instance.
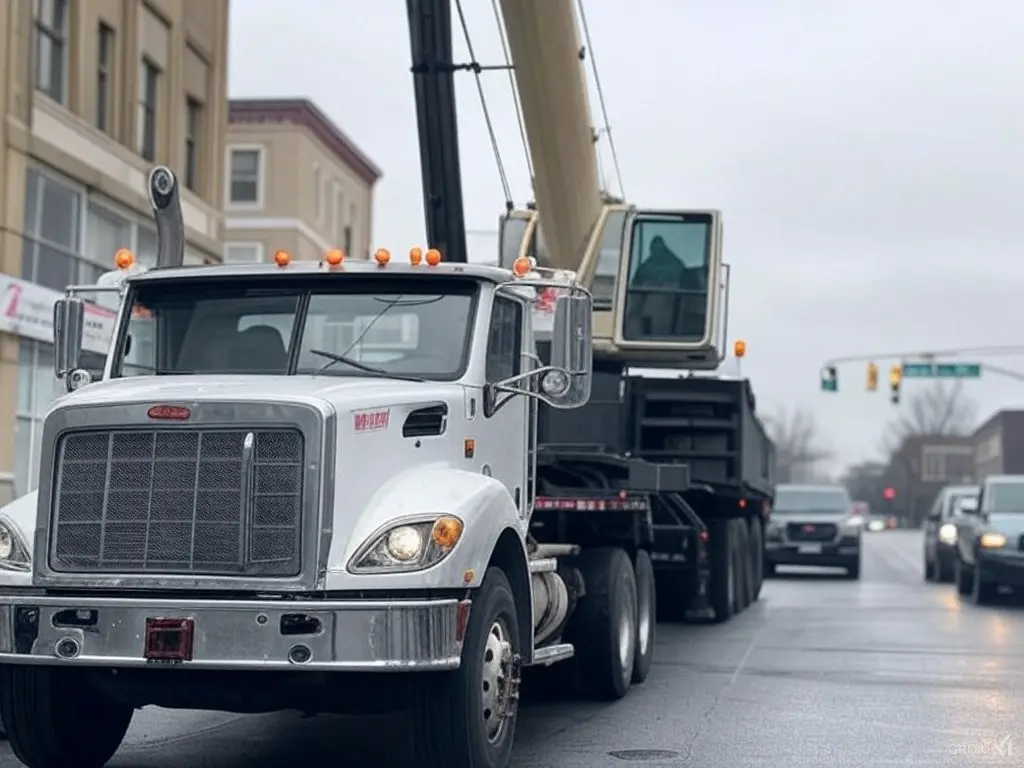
(193, 121)
(51, 48)
(149, 81)
(339, 215)
(50, 245)
(104, 74)
(348, 240)
(37, 388)
(243, 253)
(245, 171)
(318, 192)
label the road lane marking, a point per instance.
(746, 656)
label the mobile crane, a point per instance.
(688, 447)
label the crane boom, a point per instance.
(544, 45)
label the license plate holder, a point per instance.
(809, 549)
(169, 639)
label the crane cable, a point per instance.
(503, 36)
(600, 96)
(477, 69)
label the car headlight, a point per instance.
(13, 549)
(409, 546)
(947, 534)
(850, 527)
(992, 540)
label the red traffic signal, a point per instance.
(889, 494)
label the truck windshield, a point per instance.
(819, 501)
(367, 327)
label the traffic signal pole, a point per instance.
(922, 365)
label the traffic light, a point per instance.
(872, 377)
(895, 377)
(889, 494)
(829, 379)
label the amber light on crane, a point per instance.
(433, 257)
(123, 259)
(382, 257)
(739, 348)
(282, 258)
(521, 267)
(334, 257)
(415, 256)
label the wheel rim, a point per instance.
(644, 623)
(627, 629)
(499, 682)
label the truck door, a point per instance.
(504, 447)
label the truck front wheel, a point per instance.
(56, 718)
(467, 718)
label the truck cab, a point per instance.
(321, 467)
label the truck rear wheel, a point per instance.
(646, 617)
(745, 592)
(603, 626)
(467, 718)
(723, 571)
(56, 718)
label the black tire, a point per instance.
(449, 717)
(770, 570)
(55, 718)
(962, 576)
(646, 606)
(943, 573)
(745, 579)
(757, 555)
(929, 569)
(982, 592)
(604, 667)
(723, 575)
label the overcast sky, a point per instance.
(868, 157)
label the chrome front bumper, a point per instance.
(354, 635)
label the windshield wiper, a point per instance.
(335, 358)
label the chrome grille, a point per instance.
(811, 531)
(188, 501)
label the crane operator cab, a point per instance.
(656, 278)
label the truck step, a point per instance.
(544, 565)
(549, 654)
(555, 550)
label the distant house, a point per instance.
(922, 465)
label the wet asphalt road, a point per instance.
(820, 672)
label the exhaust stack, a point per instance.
(170, 224)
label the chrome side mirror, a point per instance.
(567, 385)
(68, 329)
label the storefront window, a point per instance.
(37, 389)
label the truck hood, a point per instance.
(347, 392)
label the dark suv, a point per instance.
(813, 525)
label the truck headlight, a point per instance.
(992, 540)
(947, 534)
(13, 549)
(410, 546)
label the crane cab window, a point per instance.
(609, 256)
(668, 278)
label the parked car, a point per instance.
(940, 529)
(989, 552)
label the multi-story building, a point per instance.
(295, 182)
(92, 94)
(999, 445)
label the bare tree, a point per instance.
(941, 409)
(799, 446)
